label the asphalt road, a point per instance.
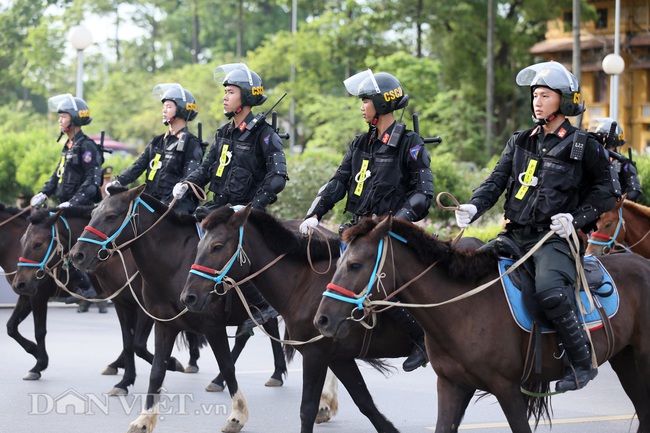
(69, 397)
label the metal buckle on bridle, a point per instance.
(107, 254)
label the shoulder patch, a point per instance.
(415, 151)
(87, 157)
(267, 139)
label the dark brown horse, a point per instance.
(473, 343)
(163, 257)
(624, 228)
(294, 289)
(60, 230)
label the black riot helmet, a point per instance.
(75, 107)
(184, 100)
(238, 74)
(602, 127)
(557, 78)
(383, 89)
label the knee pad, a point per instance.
(555, 302)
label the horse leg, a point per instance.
(350, 376)
(164, 337)
(513, 404)
(329, 404)
(21, 311)
(634, 383)
(143, 326)
(279, 361)
(219, 344)
(194, 341)
(218, 383)
(452, 403)
(112, 368)
(314, 370)
(39, 313)
(126, 318)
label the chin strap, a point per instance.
(232, 114)
(545, 120)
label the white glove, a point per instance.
(306, 224)
(112, 184)
(179, 190)
(465, 214)
(38, 199)
(562, 224)
(65, 204)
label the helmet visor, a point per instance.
(62, 102)
(233, 72)
(169, 91)
(363, 83)
(600, 125)
(548, 74)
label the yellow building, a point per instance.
(596, 41)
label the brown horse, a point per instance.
(474, 344)
(624, 228)
(13, 223)
(62, 228)
(294, 289)
(163, 257)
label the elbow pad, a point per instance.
(415, 208)
(277, 163)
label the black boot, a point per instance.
(418, 356)
(82, 284)
(83, 306)
(572, 337)
(261, 310)
(103, 307)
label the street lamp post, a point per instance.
(613, 65)
(80, 38)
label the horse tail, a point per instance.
(289, 350)
(538, 405)
(186, 341)
(380, 365)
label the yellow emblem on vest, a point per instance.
(528, 178)
(61, 168)
(224, 160)
(154, 165)
(361, 177)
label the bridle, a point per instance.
(55, 245)
(609, 241)
(105, 253)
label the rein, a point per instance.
(13, 217)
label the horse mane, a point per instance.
(161, 208)
(461, 265)
(39, 215)
(637, 208)
(278, 237)
(12, 210)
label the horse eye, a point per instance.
(38, 245)
(111, 218)
(354, 266)
(217, 247)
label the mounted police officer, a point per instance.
(245, 164)
(610, 135)
(557, 178)
(78, 177)
(385, 170)
(171, 156)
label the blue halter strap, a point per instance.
(220, 275)
(41, 266)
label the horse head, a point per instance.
(217, 263)
(354, 277)
(108, 227)
(610, 229)
(41, 249)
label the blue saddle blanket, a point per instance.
(522, 316)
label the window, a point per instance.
(601, 86)
(601, 20)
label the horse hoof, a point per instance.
(109, 371)
(232, 427)
(323, 415)
(191, 369)
(213, 387)
(273, 382)
(116, 392)
(178, 366)
(32, 376)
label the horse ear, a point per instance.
(138, 190)
(51, 220)
(240, 216)
(384, 226)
